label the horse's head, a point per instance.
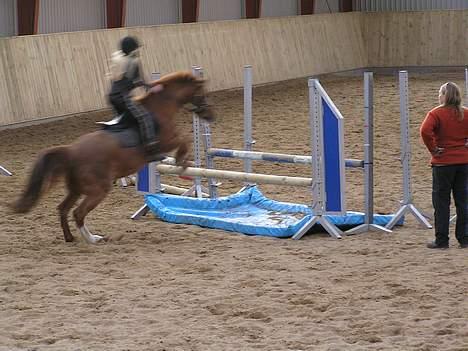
(184, 88)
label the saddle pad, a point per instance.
(128, 137)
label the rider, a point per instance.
(126, 75)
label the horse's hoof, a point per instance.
(89, 237)
(94, 239)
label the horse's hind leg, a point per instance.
(64, 209)
(87, 205)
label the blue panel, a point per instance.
(143, 183)
(331, 144)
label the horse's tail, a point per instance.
(50, 165)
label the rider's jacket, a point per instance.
(125, 73)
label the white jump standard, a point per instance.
(368, 159)
(407, 202)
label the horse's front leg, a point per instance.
(181, 147)
(181, 155)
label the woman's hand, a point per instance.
(438, 151)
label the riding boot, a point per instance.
(152, 151)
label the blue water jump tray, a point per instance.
(248, 212)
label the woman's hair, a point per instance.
(452, 94)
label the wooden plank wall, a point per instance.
(430, 38)
(64, 73)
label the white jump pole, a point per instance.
(407, 202)
(5, 171)
(240, 176)
(368, 160)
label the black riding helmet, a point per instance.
(128, 45)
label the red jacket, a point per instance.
(441, 128)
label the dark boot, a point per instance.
(436, 245)
(152, 152)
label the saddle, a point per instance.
(127, 135)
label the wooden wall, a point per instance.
(431, 38)
(64, 73)
(58, 74)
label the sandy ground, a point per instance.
(179, 287)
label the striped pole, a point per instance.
(275, 157)
(240, 176)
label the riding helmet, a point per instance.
(129, 44)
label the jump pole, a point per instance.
(275, 157)
(407, 205)
(5, 171)
(240, 176)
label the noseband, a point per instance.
(199, 104)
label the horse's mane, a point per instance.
(174, 77)
(177, 77)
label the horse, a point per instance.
(92, 163)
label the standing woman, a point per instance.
(445, 134)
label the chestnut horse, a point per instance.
(92, 163)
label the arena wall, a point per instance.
(430, 38)
(47, 76)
